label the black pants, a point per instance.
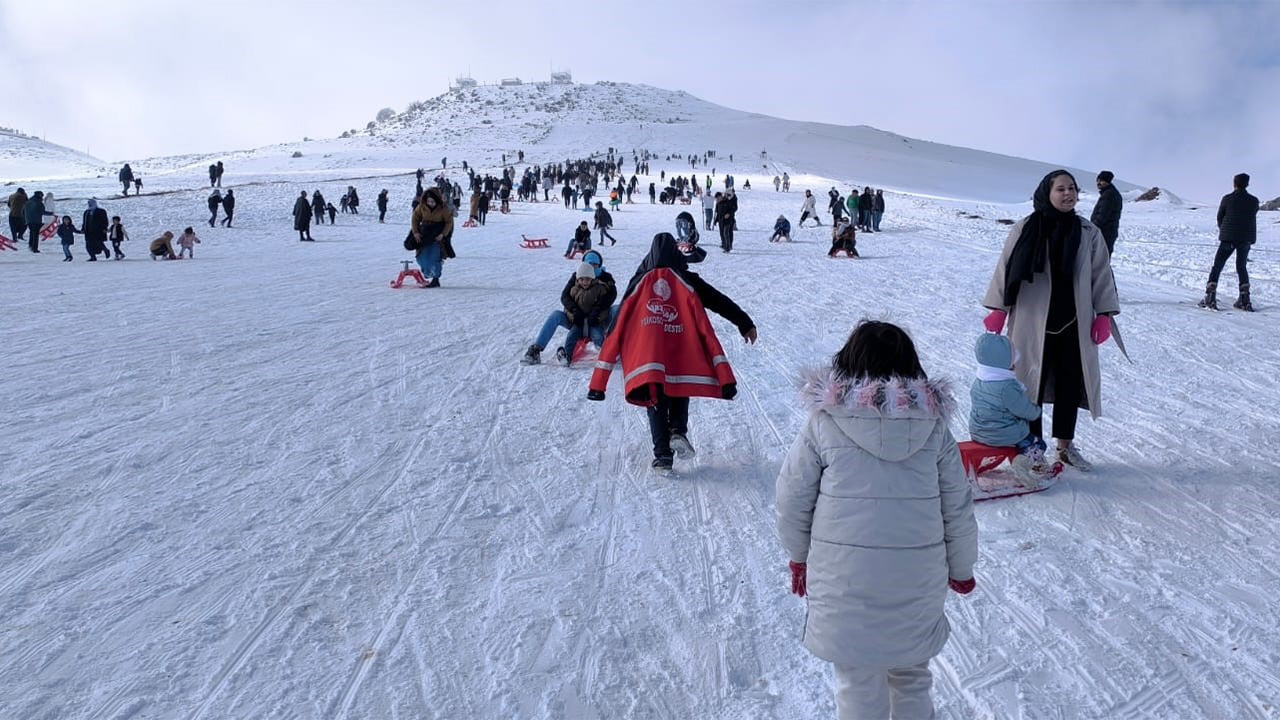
(226, 221)
(213, 217)
(726, 235)
(17, 226)
(115, 245)
(483, 214)
(1220, 261)
(382, 215)
(604, 233)
(1062, 366)
(670, 415)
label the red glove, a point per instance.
(963, 587)
(994, 322)
(1101, 329)
(799, 578)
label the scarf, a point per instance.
(1032, 247)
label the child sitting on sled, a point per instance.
(1001, 409)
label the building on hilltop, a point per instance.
(563, 77)
(510, 82)
(464, 82)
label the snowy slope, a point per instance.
(553, 122)
(25, 158)
(263, 484)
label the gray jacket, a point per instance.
(999, 408)
(873, 497)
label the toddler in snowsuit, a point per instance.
(67, 234)
(1001, 409)
(188, 241)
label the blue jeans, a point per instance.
(556, 319)
(875, 219)
(595, 332)
(429, 260)
(706, 214)
(1031, 441)
(66, 248)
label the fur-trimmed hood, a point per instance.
(891, 419)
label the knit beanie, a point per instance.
(586, 271)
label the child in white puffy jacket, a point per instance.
(876, 515)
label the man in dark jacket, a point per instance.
(213, 175)
(726, 216)
(126, 178)
(1106, 214)
(34, 213)
(382, 205)
(228, 207)
(302, 217)
(604, 221)
(215, 202)
(1237, 232)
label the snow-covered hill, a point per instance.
(24, 158)
(554, 122)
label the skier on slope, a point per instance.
(667, 347)
(1237, 232)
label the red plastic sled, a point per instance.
(575, 253)
(579, 351)
(529, 243)
(469, 223)
(7, 243)
(843, 250)
(406, 274)
(983, 466)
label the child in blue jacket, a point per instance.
(1001, 410)
(67, 234)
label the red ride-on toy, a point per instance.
(7, 244)
(406, 273)
(992, 477)
(529, 243)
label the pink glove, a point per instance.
(1101, 329)
(964, 587)
(995, 321)
(799, 578)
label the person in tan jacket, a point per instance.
(1054, 284)
(162, 247)
(432, 227)
(876, 514)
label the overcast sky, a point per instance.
(1182, 95)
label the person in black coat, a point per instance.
(482, 208)
(1106, 214)
(228, 207)
(213, 175)
(1237, 232)
(94, 225)
(302, 217)
(726, 213)
(126, 178)
(215, 202)
(581, 240)
(382, 205)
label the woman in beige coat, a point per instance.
(1054, 285)
(877, 517)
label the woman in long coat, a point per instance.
(302, 217)
(1054, 285)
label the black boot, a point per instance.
(1210, 300)
(1242, 303)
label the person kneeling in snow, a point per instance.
(781, 230)
(667, 348)
(843, 237)
(586, 300)
(1001, 410)
(162, 247)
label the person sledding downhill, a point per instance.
(583, 303)
(1000, 411)
(667, 348)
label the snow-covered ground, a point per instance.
(262, 484)
(26, 158)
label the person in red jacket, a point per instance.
(667, 347)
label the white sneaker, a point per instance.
(1027, 471)
(681, 445)
(1069, 455)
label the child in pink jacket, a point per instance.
(188, 241)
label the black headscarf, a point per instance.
(663, 253)
(1044, 227)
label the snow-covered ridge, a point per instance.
(23, 157)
